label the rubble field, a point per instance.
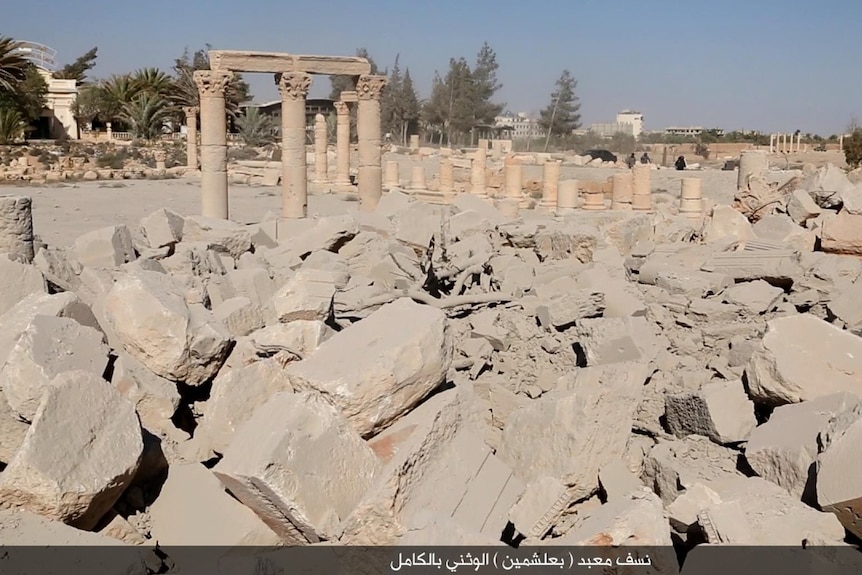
(439, 375)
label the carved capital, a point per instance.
(293, 85)
(370, 87)
(212, 84)
(341, 108)
(190, 111)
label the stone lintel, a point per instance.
(243, 61)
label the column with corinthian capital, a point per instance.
(191, 136)
(214, 190)
(293, 87)
(342, 144)
(369, 89)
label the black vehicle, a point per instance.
(604, 155)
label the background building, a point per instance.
(520, 126)
(628, 122)
(57, 119)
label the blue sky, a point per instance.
(771, 65)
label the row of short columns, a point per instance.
(778, 143)
(293, 87)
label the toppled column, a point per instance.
(161, 157)
(691, 198)
(391, 176)
(191, 113)
(514, 175)
(369, 89)
(477, 173)
(293, 87)
(342, 144)
(447, 176)
(751, 163)
(414, 142)
(641, 188)
(621, 195)
(567, 197)
(320, 137)
(417, 178)
(550, 183)
(214, 197)
(16, 227)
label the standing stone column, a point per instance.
(214, 190)
(191, 113)
(550, 183)
(447, 176)
(392, 176)
(751, 163)
(771, 142)
(161, 157)
(414, 142)
(417, 178)
(293, 87)
(514, 179)
(641, 188)
(840, 143)
(320, 136)
(368, 89)
(784, 143)
(622, 191)
(16, 228)
(342, 144)
(691, 198)
(477, 173)
(567, 197)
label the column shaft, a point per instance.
(214, 187)
(369, 90)
(342, 144)
(293, 87)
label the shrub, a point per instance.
(853, 149)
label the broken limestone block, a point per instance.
(106, 247)
(60, 270)
(846, 304)
(753, 511)
(756, 297)
(540, 506)
(193, 509)
(720, 411)
(606, 341)
(803, 358)
(308, 295)
(565, 244)
(163, 227)
(274, 467)
(486, 326)
(842, 234)
(673, 466)
(329, 233)
(234, 397)
(427, 528)
(778, 267)
(727, 222)
(783, 450)
(838, 486)
(220, 235)
(591, 424)
(155, 398)
(683, 512)
(618, 481)
(565, 310)
(12, 432)
(381, 367)
(801, 208)
(80, 453)
(48, 347)
(240, 316)
(150, 317)
(17, 281)
(24, 534)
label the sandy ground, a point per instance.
(62, 212)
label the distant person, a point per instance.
(680, 163)
(645, 159)
(631, 161)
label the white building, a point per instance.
(522, 126)
(57, 118)
(628, 122)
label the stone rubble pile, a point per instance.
(439, 375)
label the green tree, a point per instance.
(409, 107)
(28, 96)
(78, 69)
(341, 83)
(460, 90)
(561, 116)
(390, 102)
(256, 129)
(12, 125)
(89, 103)
(853, 149)
(146, 115)
(153, 81)
(433, 112)
(185, 92)
(13, 64)
(485, 86)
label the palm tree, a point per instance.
(12, 126)
(153, 81)
(146, 115)
(256, 129)
(13, 64)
